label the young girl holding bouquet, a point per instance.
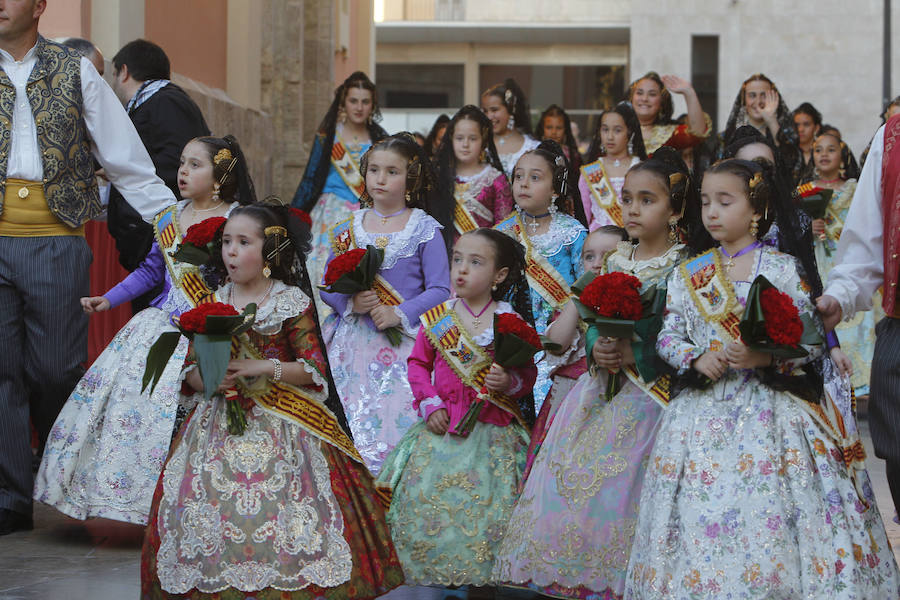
(108, 444)
(747, 491)
(470, 176)
(571, 532)
(552, 239)
(454, 486)
(286, 509)
(369, 371)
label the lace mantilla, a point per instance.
(284, 302)
(564, 231)
(419, 229)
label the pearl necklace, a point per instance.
(259, 300)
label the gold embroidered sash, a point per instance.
(343, 239)
(343, 163)
(467, 359)
(602, 191)
(463, 219)
(299, 405)
(185, 277)
(542, 276)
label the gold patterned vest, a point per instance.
(54, 92)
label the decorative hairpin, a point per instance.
(280, 244)
(222, 155)
(755, 180)
(559, 160)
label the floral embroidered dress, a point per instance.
(286, 510)
(509, 160)
(571, 531)
(452, 495)
(483, 200)
(746, 493)
(370, 373)
(557, 259)
(108, 444)
(857, 336)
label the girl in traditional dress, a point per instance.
(332, 184)
(571, 532)
(760, 105)
(807, 123)
(470, 176)
(552, 239)
(554, 124)
(835, 169)
(506, 107)
(108, 444)
(747, 492)
(452, 494)
(287, 509)
(651, 97)
(617, 146)
(370, 373)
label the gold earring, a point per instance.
(407, 197)
(267, 271)
(482, 157)
(754, 228)
(494, 288)
(673, 231)
(215, 194)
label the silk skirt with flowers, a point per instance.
(570, 533)
(452, 498)
(108, 444)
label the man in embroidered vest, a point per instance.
(56, 116)
(868, 258)
(166, 119)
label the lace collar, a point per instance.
(623, 257)
(486, 337)
(419, 229)
(563, 231)
(284, 302)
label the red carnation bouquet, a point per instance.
(196, 246)
(354, 271)
(612, 306)
(814, 201)
(771, 323)
(211, 326)
(515, 344)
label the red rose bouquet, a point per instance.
(196, 246)
(515, 344)
(211, 326)
(771, 323)
(354, 271)
(612, 306)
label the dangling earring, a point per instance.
(553, 208)
(673, 231)
(369, 119)
(215, 194)
(342, 115)
(630, 147)
(754, 228)
(842, 173)
(267, 271)
(602, 149)
(511, 124)
(494, 288)
(407, 198)
(518, 208)
(482, 158)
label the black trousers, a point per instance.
(884, 401)
(43, 343)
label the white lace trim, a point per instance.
(486, 337)
(515, 383)
(427, 402)
(564, 231)
(624, 258)
(317, 377)
(284, 302)
(408, 328)
(419, 229)
(509, 160)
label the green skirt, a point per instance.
(452, 499)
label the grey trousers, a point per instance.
(43, 343)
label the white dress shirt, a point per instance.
(859, 270)
(114, 141)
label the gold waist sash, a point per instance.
(26, 214)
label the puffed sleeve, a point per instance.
(674, 344)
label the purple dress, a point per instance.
(370, 373)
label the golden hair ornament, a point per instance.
(281, 242)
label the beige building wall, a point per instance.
(828, 52)
(557, 11)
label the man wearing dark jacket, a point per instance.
(166, 119)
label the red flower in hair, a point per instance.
(782, 319)
(614, 295)
(343, 264)
(302, 215)
(194, 320)
(514, 324)
(202, 233)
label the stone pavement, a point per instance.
(66, 559)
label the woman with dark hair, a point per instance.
(760, 105)
(332, 185)
(651, 97)
(807, 122)
(618, 144)
(507, 108)
(436, 135)
(469, 174)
